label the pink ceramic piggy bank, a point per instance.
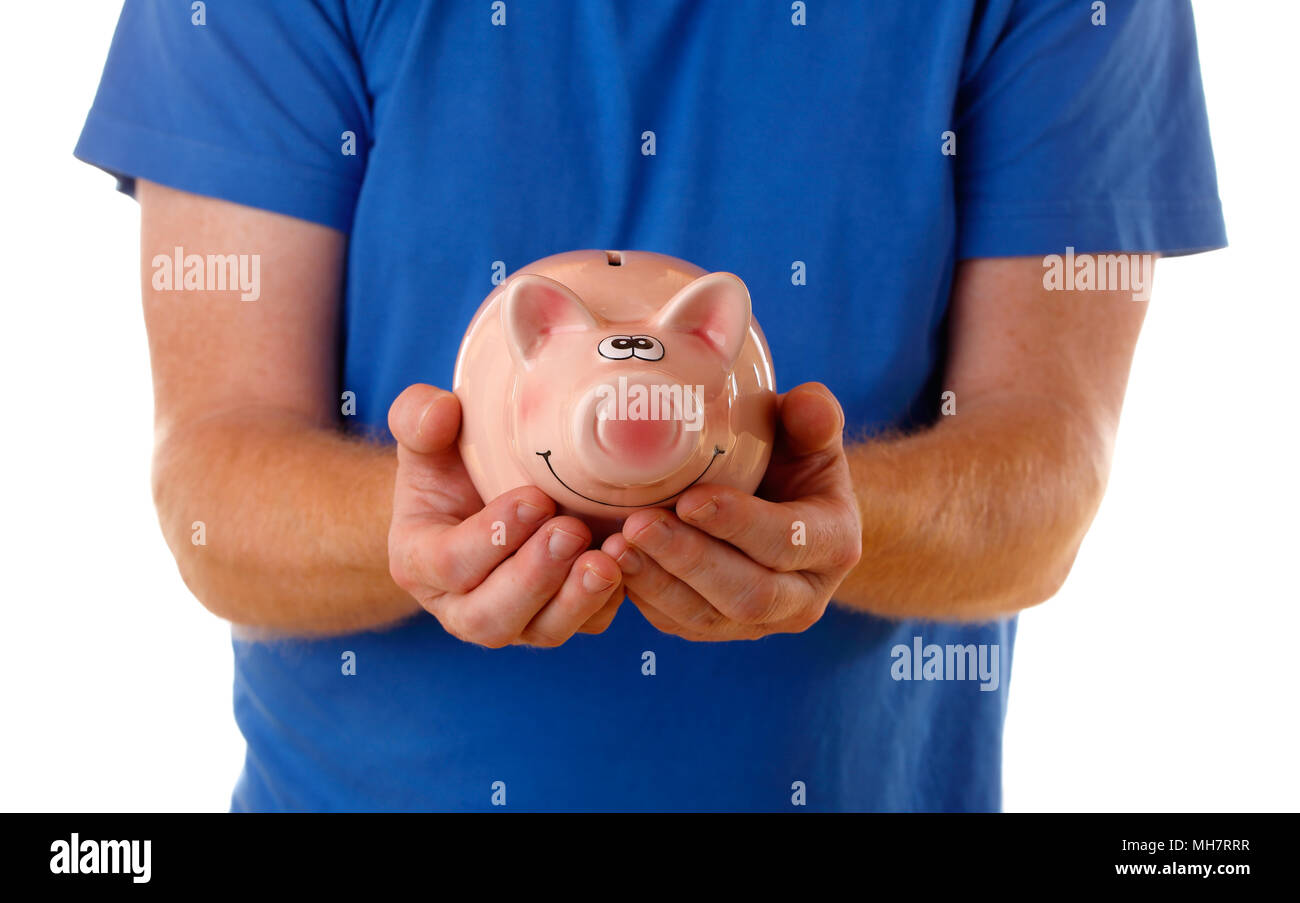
(615, 380)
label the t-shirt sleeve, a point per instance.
(244, 100)
(1073, 133)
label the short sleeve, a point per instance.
(1084, 125)
(245, 100)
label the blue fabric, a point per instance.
(776, 143)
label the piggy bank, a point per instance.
(615, 380)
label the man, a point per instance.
(888, 179)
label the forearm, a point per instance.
(979, 516)
(294, 523)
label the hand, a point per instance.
(539, 588)
(730, 566)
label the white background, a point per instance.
(1163, 677)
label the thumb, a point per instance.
(425, 419)
(811, 419)
(431, 477)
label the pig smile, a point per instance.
(546, 456)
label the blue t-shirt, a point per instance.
(802, 149)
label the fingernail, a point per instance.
(424, 415)
(629, 562)
(529, 514)
(564, 545)
(594, 583)
(703, 512)
(653, 535)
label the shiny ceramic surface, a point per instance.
(615, 380)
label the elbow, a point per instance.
(1036, 569)
(202, 575)
(1012, 585)
(1054, 528)
(202, 567)
(1036, 584)
(1028, 553)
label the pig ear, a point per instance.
(715, 308)
(536, 307)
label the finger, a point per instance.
(664, 624)
(600, 621)
(680, 603)
(732, 631)
(734, 584)
(431, 478)
(811, 420)
(644, 577)
(424, 419)
(590, 584)
(457, 558)
(803, 535)
(497, 611)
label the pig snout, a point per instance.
(640, 429)
(645, 441)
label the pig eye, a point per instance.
(647, 347)
(617, 347)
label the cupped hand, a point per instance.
(504, 573)
(725, 565)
